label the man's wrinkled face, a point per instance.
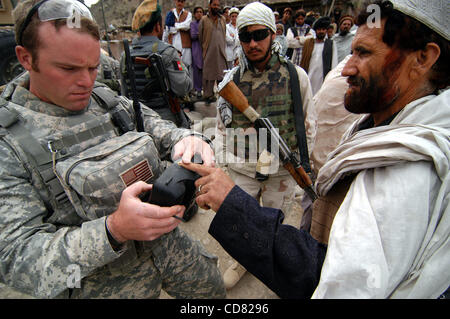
(65, 74)
(376, 73)
(345, 27)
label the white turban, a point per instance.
(256, 13)
(253, 13)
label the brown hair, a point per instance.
(30, 38)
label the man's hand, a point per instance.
(188, 146)
(212, 188)
(137, 220)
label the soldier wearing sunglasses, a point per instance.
(268, 85)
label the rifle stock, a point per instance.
(231, 93)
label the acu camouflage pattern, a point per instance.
(39, 243)
(109, 72)
(269, 93)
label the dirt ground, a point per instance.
(249, 287)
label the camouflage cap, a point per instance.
(148, 11)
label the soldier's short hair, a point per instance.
(29, 37)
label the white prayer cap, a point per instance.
(234, 10)
(256, 13)
(435, 14)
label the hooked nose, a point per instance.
(349, 68)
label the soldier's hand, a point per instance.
(137, 220)
(188, 146)
(212, 188)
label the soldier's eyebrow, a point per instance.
(73, 65)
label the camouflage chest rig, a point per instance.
(80, 172)
(276, 95)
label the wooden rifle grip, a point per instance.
(234, 96)
(305, 177)
(295, 174)
(140, 60)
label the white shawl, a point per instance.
(390, 237)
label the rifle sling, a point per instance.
(299, 117)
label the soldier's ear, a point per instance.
(24, 56)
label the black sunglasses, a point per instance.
(257, 35)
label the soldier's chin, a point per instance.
(77, 104)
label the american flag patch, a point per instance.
(139, 172)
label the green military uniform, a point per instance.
(269, 93)
(46, 241)
(109, 72)
(151, 95)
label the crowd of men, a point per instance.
(325, 40)
(361, 118)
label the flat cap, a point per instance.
(148, 11)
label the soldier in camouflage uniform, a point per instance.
(109, 71)
(265, 81)
(147, 20)
(72, 222)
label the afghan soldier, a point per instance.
(147, 20)
(73, 167)
(265, 78)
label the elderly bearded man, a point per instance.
(385, 189)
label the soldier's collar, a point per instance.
(22, 96)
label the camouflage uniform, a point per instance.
(109, 72)
(150, 93)
(43, 245)
(269, 92)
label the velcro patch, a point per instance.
(178, 65)
(139, 172)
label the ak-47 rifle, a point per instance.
(156, 66)
(235, 97)
(131, 77)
